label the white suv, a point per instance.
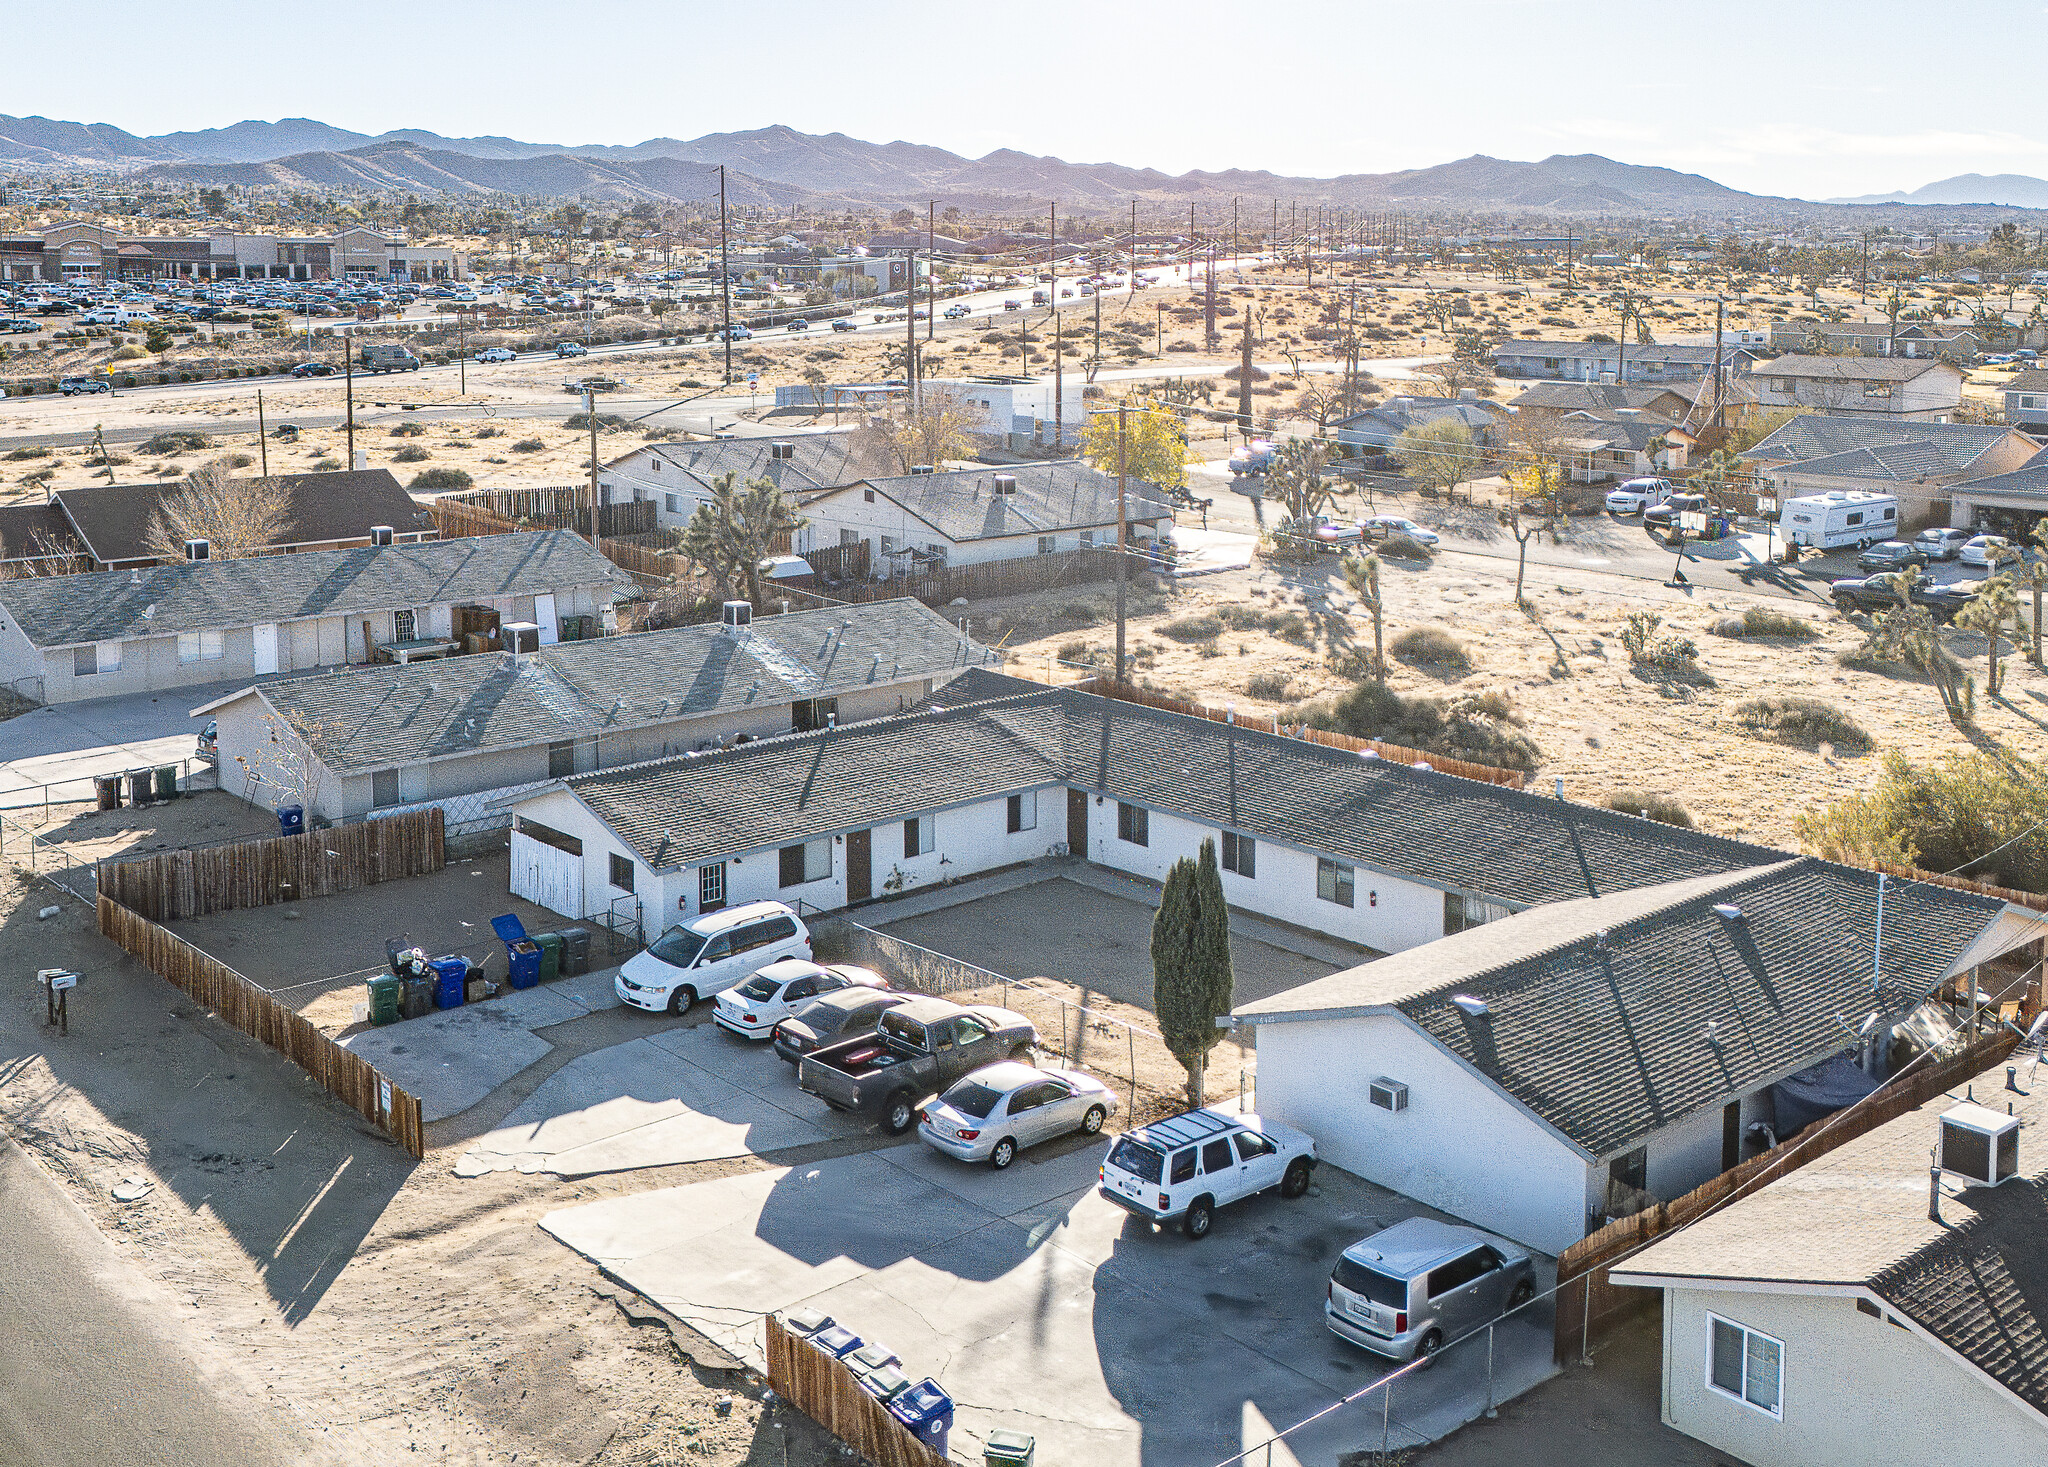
(709, 954)
(1184, 1168)
(1637, 495)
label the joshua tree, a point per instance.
(730, 534)
(1362, 575)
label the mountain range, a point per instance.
(2011, 190)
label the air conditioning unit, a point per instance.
(380, 534)
(1980, 1144)
(1388, 1094)
(198, 550)
(521, 637)
(736, 616)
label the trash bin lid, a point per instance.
(509, 927)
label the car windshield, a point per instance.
(1371, 1283)
(679, 946)
(760, 989)
(972, 1098)
(1140, 1161)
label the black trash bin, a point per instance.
(142, 786)
(107, 790)
(575, 951)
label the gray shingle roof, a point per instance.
(1895, 461)
(2031, 481)
(817, 460)
(1384, 424)
(1977, 1281)
(1606, 1043)
(214, 595)
(2031, 380)
(1063, 494)
(1574, 396)
(1605, 351)
(1817, 435)
(1855, 369)
(374, 717)
(115, 520)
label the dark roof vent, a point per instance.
(380, 534)
(1006, 483)
(198, 550)
(781, 450)
(921, 469)
(736, 616)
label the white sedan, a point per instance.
(1000, 1109)
(1988, 550)
(755, 1007)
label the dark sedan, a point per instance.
(1891, 555)
(831, 1018)
(1874, 593)
(315, 369)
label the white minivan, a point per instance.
(708, 954)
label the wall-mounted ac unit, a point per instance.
(1388, 1094)
(1980, 1144)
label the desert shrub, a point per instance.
(1405, 547)
(490, 432)
(1762, 621)
(411, 454)
(1082, 612)
(323, 465)
(529, 445)
(239, 460)
(1078, 653)
(1982, 816)
(19, 454)
(1431, 647)
(1481, 727)
(1646, 649)
(1293, 627)
(1661, 808)
(38, 476)
(1807, 722)
(1205, 627)
(439, 479)
(606, 422)
(1273, 686)
(409, 430)
(130, 354)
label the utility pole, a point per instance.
(1131, 264)
(725, 283)
(1233, 235)
(1720, 308)
(1098, 335)
(1159, 330)
(262, 435)
(931, 250)
(1123, 443)
(1059, 383)
(349, 377)
(1052, 261)
(462, 350)
(590, 416)
(910, 341)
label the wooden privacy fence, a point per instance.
(1026, 574)
(825, 1390)
(261, 873)
(1588, 1305)
(216, 986)
(1395, 753)
(556, 507)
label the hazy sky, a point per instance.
(1793, 96)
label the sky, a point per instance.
(1811, 100)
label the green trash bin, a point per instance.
(384, 994)
(167, 781)
(550, 955)
(1009, 1449)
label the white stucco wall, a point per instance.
(1858, 1391)
(849, 511)
(1460, 1145)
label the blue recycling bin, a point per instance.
(837, 1341)
(291, 819)
(521, 953)
(926, 1410)
(450, 974)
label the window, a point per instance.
(561, 758)
(1333, 882)
(2033, 400)
(1462, 912)
(1023, 812)
(1877, 389)
(1251, 1146)
(1458, 1272)
(1216, 1157)
(914, 841)
(201, 646)
(404, 626)
(1240, 854)
(1183, 1167)
(384, 788)
(1631, 1170)
(1781, 385)
(849, 537)
(1087, 539)
(867, 496)
(547, 835)
(711, 887)
(1133, 824)
(622, 872)
(98, 658)
(673, 503)
(971, 1031)
(1047, 544)
(811, 861)
(1746, 1365)
(806, 714)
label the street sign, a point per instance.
(1692, 521)
(1766, 504)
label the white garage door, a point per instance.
(547, 877)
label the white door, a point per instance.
(544, 615)
(546, 876)
(266, 646)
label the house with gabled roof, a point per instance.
(677, 477)
(1923, 389)
(1919, 462)
(1865, 1308)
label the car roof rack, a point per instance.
(1194, 1125)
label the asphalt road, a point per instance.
(91, 1370)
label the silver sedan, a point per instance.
(998, 1110)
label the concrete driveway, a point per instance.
(65, 744)
(1042, 1308)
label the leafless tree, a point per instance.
(935, 430)
(236, 517)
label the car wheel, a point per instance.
(1295, 1183)
(679, 1002)
(901, 1113)
(1427, 1350)
(1092, 1122)
(1004, 1154)
(1200, 1213)
(1524, 1292)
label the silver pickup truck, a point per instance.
(917, 1050)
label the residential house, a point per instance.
(2026, 400)
(678, 477)
(38, 539)
(1899, 388)
(330, 511)
(1919, 462)
(1877, 339)
(1555, 399)
(1619, 443)
(1377, 429)
(968, 516)
(1605, 1031)
(64, 638)
(348, 744)
(2012, 505)
(1824, 1316)
(1014, 409)
(1582, 361)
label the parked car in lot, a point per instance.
(571, 349)
(497, 354)
(1636, 495)
(710, 954)
(1890, 555)
(831, 1018)
(1411, 1289)
(1942, 544)
(1000, 1109)
(1182, 1169)
(1988, 551)
(1386, 526)
(314, 369)
(20, 325)
(1872, 594)
(755, 1007)
(69, 385)
(918, 1049)
(1333, 532)
(1253, 458)
(1664, 515)
(845, 323)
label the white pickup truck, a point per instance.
(1636, 495)
(1185, 1167)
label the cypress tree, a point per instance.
(1192, 985)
